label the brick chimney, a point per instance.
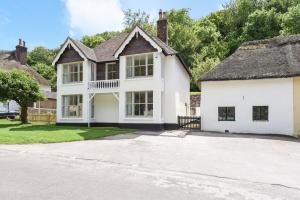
(21, 52)
(162, 27)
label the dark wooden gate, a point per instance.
(189, 122)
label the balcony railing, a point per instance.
(104, 84)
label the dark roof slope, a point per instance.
(106, 50)
(272, 58)
(8, 61)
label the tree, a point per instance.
(41, 55)
(290, 21)
(261, 24)
(95, 40)
(139, 18)
(21, 87)
(40, 58)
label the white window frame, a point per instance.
(106, 70)
(132, 103)
(93, 71)
(79, 107)
(80, 66)
(132, 57)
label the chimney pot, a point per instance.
(24, 44)
(162, 27)
(21, 52)
(160, 14)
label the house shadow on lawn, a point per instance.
(246, 135)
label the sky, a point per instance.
(48, 22)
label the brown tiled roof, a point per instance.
(106, 50)
(272, 58)
(8, 61)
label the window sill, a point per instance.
(139, 118)
(71, 118)
(139, 78)
(70, 84)
(260, 120)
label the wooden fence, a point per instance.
(189, 122)
(47, 118)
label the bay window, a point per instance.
(72, 73)
(139, 104)
(72, 106)
(139, 66)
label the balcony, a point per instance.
(104, 84)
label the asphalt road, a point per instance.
(153, 167)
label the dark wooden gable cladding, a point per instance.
(138, 45)
(100, 71)
(69, 55)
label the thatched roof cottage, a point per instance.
(255, 90)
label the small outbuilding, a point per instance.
(255, 90)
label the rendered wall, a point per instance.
(275, 93)
(106, 108)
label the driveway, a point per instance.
(135, 166)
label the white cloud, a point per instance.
(94, 16)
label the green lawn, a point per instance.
(15, 133)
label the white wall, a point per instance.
(154, 84)
(177, 90)
(106, 108)
(70, 89)
(275, 93)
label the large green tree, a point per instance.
(291, 21)
(19, 86)
(40, 58)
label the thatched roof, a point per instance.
(272, 58)
(8, 61)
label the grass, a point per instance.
(12, 132)
(195, 93)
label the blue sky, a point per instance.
(48, 22)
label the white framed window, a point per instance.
(139, 65)
(111, 71)
(72, 73)
(139, 104)
(72, 106)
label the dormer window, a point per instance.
(139, 66)
(72, 73)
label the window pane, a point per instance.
(143, 70)
(143, 109)
(150, 70)
(222, 113)
(142, 97)
(150, 110)
(129, 72)
(136, 109)
(260, 113)
(143, 60)
(150, 59)
(129, 109)
(136, 61)
(136, 97)
(129, 61)
(230, 113)
(150, 97)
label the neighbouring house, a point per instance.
(17, 59)
(195, 104)
(255, 90)
(132, 80)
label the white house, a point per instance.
(132, 80)
(255, 90)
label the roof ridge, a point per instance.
(275, 41)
